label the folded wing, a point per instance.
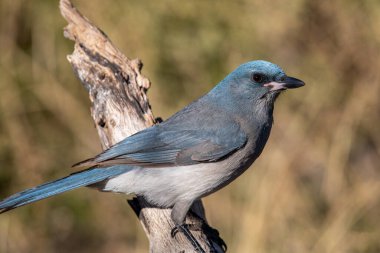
(163, 146)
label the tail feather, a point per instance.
(73, 181)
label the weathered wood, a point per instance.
(120, 108)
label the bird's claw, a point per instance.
(174, 231)
(190, 227)
(184, 228)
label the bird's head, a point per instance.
(260, 81)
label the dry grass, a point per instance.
(316, 187)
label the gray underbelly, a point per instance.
(165, 186)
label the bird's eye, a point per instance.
(257, 78)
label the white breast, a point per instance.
(165, 186)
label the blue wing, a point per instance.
(170, 145)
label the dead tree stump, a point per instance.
(120, 108)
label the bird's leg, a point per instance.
(178, 215)
(185, 230)
(212, 233)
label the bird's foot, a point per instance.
(184, 228)
(212, 233)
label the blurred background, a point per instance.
(315, 188)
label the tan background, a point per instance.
(315, 188)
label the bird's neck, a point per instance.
(243, 104)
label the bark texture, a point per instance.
(120, 108)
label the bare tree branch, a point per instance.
(120, 108)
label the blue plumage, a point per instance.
(73, 181)
(170, 144)
(197, 151)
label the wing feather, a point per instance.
(160, 145)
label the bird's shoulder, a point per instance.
(193, 135)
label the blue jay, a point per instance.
(194, 153)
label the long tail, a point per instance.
(73, 181)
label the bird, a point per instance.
(194, 153)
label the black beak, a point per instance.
(292, 83)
